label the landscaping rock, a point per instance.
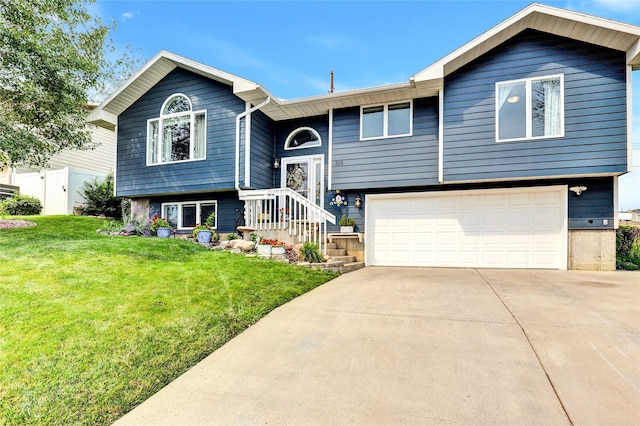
(244, 246)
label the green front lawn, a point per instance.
(92, 325)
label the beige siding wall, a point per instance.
(100, 160)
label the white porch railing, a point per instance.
(282, 209)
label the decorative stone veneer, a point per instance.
(592, 250)
(140, 210)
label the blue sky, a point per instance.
(290, 47)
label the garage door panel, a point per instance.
(523, 227)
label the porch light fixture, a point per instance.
(276, 163)
(578, 189)
(358, 202)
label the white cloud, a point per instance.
(128, 15)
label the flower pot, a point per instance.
(278, 250)
(204, 236)
(78, 212)
(163, 232)
(346, 229)
(264, 249)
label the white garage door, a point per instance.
(496, 228)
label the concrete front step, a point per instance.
(344, 259)
(352, 266)
(336, 252)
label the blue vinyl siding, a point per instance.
(389, 162)
(595, 138)
(262, 176)
(589, 209)
(135, 179)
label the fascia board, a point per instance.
(533, 16)
(633, 56)
(102, 118)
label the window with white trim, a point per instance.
(303, 137)
(385, 121)
(531, 108)
(188, 214)
(178, 134)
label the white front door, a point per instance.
(305, 175)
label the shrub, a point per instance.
(20, 205)
(310, 252)
(100, 198)
(627, 239)
(628, 248)
(347, 221)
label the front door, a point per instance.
(305, 175)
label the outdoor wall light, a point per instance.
(276, 163)
(358, 202)
(578, 189)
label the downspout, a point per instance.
(238, 118)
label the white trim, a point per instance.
(115, 163)
(164, 104)
(441, 135)
(198, 203)
(247, 147)
(565, 23)
(192, 115)
(236, 163)
(563, 189)
(528, 131)
(295, 132)
(616, 207)
(385, 120)
(629, 119)
(330, 151)
(312, 159)
(531, 178)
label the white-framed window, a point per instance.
(531, 108)
(188, 214)
(303, 137)
(178, 134)
(386, 121)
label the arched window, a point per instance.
(178, 134)
(303, 137)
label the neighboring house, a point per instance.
(469, 163)
(57, 186)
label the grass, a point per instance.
(92, 325)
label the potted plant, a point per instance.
(267, 247)
(202, 233)
(160, 226)
(78, 210)
(347, 224)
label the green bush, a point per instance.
(628, 248)
(627, 240)
(20, 205)
(310, 252)
(100, 198)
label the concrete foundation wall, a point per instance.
(592, 250)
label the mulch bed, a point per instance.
(15, 223)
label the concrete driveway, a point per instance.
(386, 346)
